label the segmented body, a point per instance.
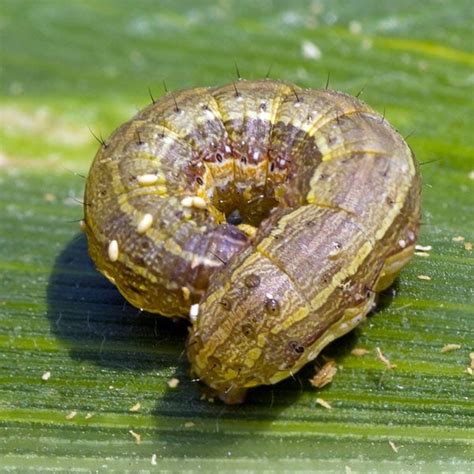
(280, 211)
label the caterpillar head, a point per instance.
(240, 337)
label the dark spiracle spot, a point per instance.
(219, 157)
(226, 304)
(143, 246)
(272, 167)
(299, 349)
(213, 362)
(247, 329)
(263, 106)
(199, 181)
(252, 281)
(234, 217)
(272, 306)
(243, 160)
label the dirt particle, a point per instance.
(49, 197)
(359, 351)
(423, 248)
(173, 383)
(323, 403)
(384, 359)
(450, 347)
(71, 415)
(392, 445)
(46, 376)
(324, 375)
(136, 436)
(422, 254)
(310, 51)
(355, 27)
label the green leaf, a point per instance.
(67, 66)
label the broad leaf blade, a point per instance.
(69, 66)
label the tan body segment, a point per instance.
(274, 213)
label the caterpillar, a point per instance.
(268, 215)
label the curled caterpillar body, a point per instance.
(267, 214)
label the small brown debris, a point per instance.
(459, 238)
(450, 347)
(424, 277)
(189, 424)
(138, 438)
(324, 375)
(135, 407)
(384, 359)
(359, 351)
(468, 246)
(46, 376)
(323, 403)
(173, 383)
(392, 445)
(71, 415)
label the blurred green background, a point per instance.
(67, 66)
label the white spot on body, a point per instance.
(187, 201)
(145, 223)
(194, 201)
(402, 243)
(147, 179)
(113, 251)
(199, 202)
(194, 312)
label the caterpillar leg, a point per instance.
(392, 267)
